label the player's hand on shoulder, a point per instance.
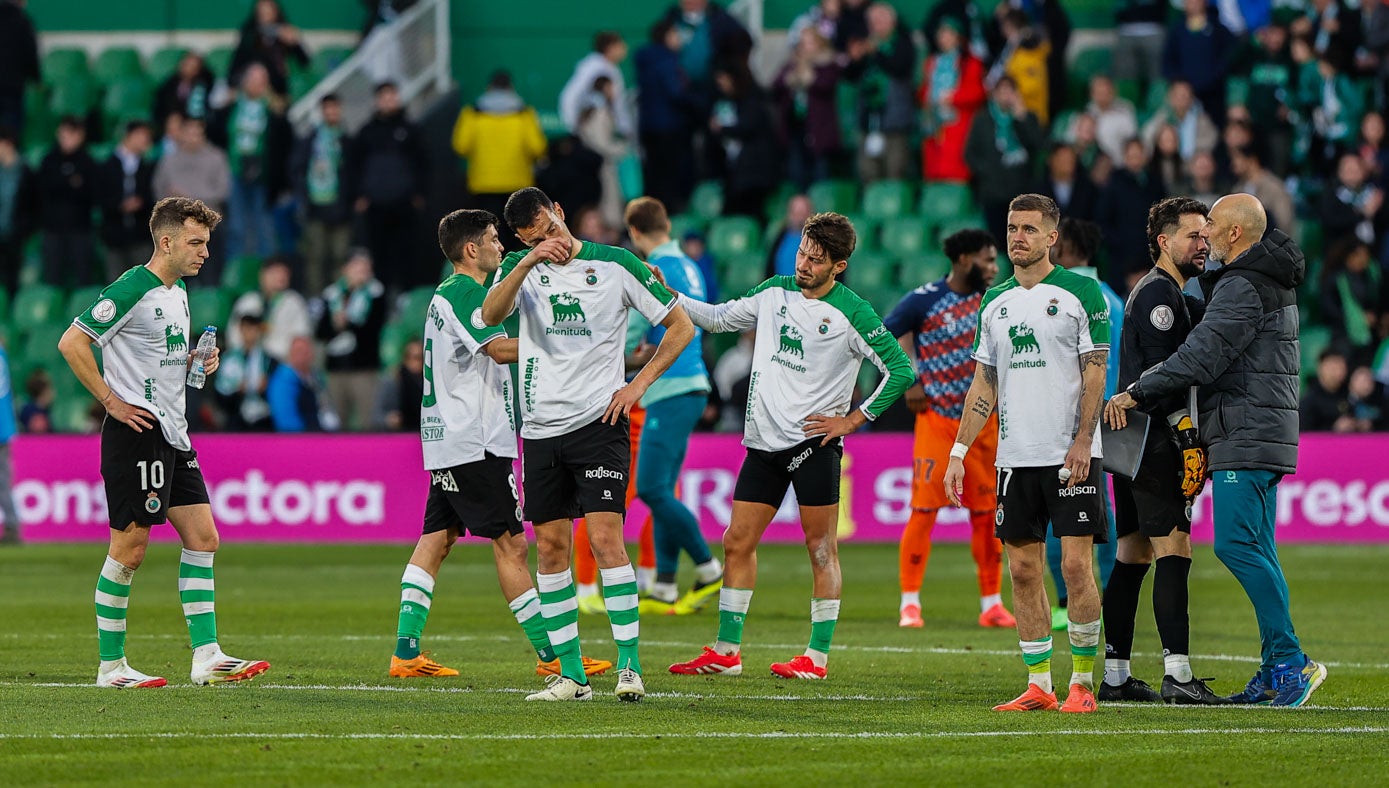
(656, 272)
(137, 419)
(955, 480)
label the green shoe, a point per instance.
(696, 598)
(1059, 619)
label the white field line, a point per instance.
(392, 688)
(794, 647)
(694, 735)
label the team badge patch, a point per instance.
(1162, 317)
(1052, 308)
(592, 277)
(825, 326)
(104, 310)
(477, 319)
(998, 516)
(1188, 511)
(152, 503)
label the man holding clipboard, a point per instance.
(1153, 508)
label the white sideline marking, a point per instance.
(1351, 730)
(678, 695)
(601, 641)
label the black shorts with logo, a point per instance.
(476, 497)
(145, 476)
(577, 473)
(812, 469)
(1029, 498)
(1152, 502)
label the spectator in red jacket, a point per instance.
(952, 90)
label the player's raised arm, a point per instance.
(737, 315)
(501, 298)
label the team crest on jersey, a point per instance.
(1052, 308)
(1162, 317)
(174, 340)
(592, 278)
(791, 341)
(1024, 340)
(152, 503)
(1188, 511)
(104, 311)
(566, 308)
(825, 326)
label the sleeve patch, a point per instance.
(104, 310)
(1162, 317)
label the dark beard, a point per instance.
(974, 280)
(1190, 270)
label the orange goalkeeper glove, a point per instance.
(1193, 457)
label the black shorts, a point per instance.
(145, 476)
(578, 473)
(1029, 498)
(1152, 502)
(476, 497)
(812, 469)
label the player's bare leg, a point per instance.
(1077, 566)
(126, 554)
(620, 598)
(1026, 561)
(820, 524)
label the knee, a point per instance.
(735, 544)
(824, 552)
(1025, 573)
(513, 549)
(551, 542)
(131, 557)
(1076, 567)
(205, 543)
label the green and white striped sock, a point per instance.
(195, 591)
(416, 595)
(824, 614)
(112, 597)
(620, 597)
(561, 613)
(526, 608)
(733, 608)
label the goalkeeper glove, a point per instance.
(1193, 456)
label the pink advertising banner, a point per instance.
(371, 488)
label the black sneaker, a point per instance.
(1190, 693)
(1133, 689)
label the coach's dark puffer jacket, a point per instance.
(1244, 356)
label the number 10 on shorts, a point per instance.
(151, 474)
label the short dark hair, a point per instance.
(604, 39)
(833, 233)
(658, 32)
(1164, 216)
(524, 205)
(1037, 202)
(330, 98)
(135, 125)
(170, 213)
(1084, 237)
(385, 85)
(647, 215)
(500, 79)
(72, 122)
(967, 241)
(462, 227)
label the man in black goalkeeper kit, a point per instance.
(1153, 510)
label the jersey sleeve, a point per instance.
(112, 309)
(1093, 318)
(642, 291)
(874, 341)
(508, 265)
(467, 313)
(1156, 320)
(906, 316)
(740, 314)
(983, 350)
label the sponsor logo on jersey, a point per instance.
(1024, 340)
(545, 280)
(782, 311)
(150, 389)
(1080, 489)
(875, 333)
(528, 384)
(565, 308)
(431, 429)
(174, 340)
(791, 341)
(158, 313)
(173, 361)
(1003, 311)
(1101, 316)
(603, 473)
(1084, 517)
(1162, 317)
(193, 463)
(444, 480)
(104, 311)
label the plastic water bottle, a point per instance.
(197, 367)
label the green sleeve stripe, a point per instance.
(637, 269)
(989, 296)
(890, 358)
(1091, 297)
(464, 298)
(783, 282)
(116, 301)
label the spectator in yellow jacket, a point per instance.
(500, 138)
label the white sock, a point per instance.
(986, 603)
(646, 577)
(821, 610)
(1116, 672)
(1178, 667)
(586, 589)
(1087, 634)
(708, 572)
(1034, 647)
(734, 600)
(820, 658)
(665, 592)
(910, 598)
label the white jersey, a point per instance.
(573, 331)
(142, 328)
(806, 357)
(1035, 338)
(466, 410)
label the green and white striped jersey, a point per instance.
(806, 356)
(572, 333)
(1035, 338)
(466, 410)
(142, 328)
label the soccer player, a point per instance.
(673, 406)
(1153, 510)
(938, 320)
(812, 335)
(151, 473)
(1040, 350)
(573, 298)
(1244, 356)
(468, 431)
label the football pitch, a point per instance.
(899, 705)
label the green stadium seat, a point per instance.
(38, 123)
(740, 273)
(1310, 237)
(61, 65)
(1086, 64)
(730, 236)
(1237, 91)
(118, 63)
(71, 414)
(840, 196)
(414, 305)
(887, 199)
(882, 297)
(706, 201)
(79, 300)
(219, 60)
(776, 201)
(1131, 90)
(920, 269)
(326, 59)
(35, 305)
(75, 96)
(1061, 125)
(300, 83)
(1313, 340)
(943, 200)
(967, 222)
(866, 228)
(126, 99)
(682, 223)
(1157, 95)
(164, 62)
(394, 336)
(100, 151)
(208, 306)
(871, 269)
(904, 237)
(241, 274)
(40, 348)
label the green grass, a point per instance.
(899, 705)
